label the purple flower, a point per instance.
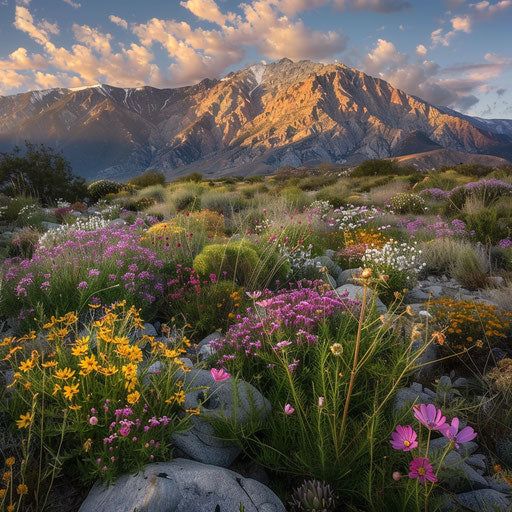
(94, 272)
(288, 409)
(451, 432)
(82, 285)
(404, 438)
(429, 415)
(420, 469)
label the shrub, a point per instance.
(139, 204)
(39, 172)
(471, 268)
(24, 243)
(11, 207)
(148, 179)
(440, 254)
(300, 347)
(355, 244)
(225, 203)
(87, 398)
(102, 265)
(408, 203)
(235, 261)
(336, 194)
(381, 167)
(487, 190)
(205, 304)
(486, 224)
(212, 222)
(399, 262)
(101, 188)
(472, 329)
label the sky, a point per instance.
(455, 53)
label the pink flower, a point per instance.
(452, 433)
(404, 438)
(396, 476)
(219, 375)
(288, 409)
(93, 420)
(421, 469)
(429, 415)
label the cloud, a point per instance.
(10, 80)
(75, 5)
(207, 10)
(453, 86)
(459, 24)
(120, 22)
(501, 91)
(383, 6)
(421, 50)
(486, 8)
(39, 32)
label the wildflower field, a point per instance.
(318, 340)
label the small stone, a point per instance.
(347, 276)
(481, 500)
(354, 292)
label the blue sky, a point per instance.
(451, 52)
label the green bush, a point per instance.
(235, 261)
(101, 188)
(148, 179)
(10, 208)
(408, 203)
(226, 203)
(471, 268)
(381, 167)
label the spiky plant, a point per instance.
(313, 496)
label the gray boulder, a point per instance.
(354, 292)
(218, 400)
(182, 486)
(414, 394)
(347, 276)
(416, 295)
(481, 500)
(204, 347)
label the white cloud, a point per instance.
(421, 50)
(383, 6)
(120, 22)
(461, 24)
(75, 5)
(486, 8)
(207, 10)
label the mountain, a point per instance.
(252, 121)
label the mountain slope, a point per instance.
(254, 120)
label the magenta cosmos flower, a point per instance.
(288, 409)
(404, 438)
(451, 432)
(429, 415)
(421, 469)
(219, 375)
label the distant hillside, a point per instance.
(252, 121)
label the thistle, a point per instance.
(313, 496)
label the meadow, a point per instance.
(339, 339)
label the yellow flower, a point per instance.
(79, 350)
(87, 445)
(22, 489)
(133, 398)
(10, 507)
(25, 420)
(75, 407)
(9, 462)
(71, 391)
(56, 389)
(64, 373)
(108, 370)
(49, 364)
(27, 365)
(6, 476)
(88, 364)
(2, 494)
(195, 411)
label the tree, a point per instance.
(41, 172)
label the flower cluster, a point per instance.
(11, 493)
(292, 314)
(435, 193)
(55, 236)
(500, 376)
(408, 203)
(393, 255)
(471, 325)
(440, 228)
(405, 439)
(107, 263)
(75, 370)
(350, 217)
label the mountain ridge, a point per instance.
(251, 121)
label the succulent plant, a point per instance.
(313, 496)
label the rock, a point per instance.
(118, 222)
(434, 291)
(457, 472)
(356, 292)
(428, 361)
(147, 330)
(347, 276)
(49, 225)
(205, 350)
(325, 261)
(406, 397)
(481, 500)
(182, 486)
(217, 400)
(416, 295)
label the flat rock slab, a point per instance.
(182, 486)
